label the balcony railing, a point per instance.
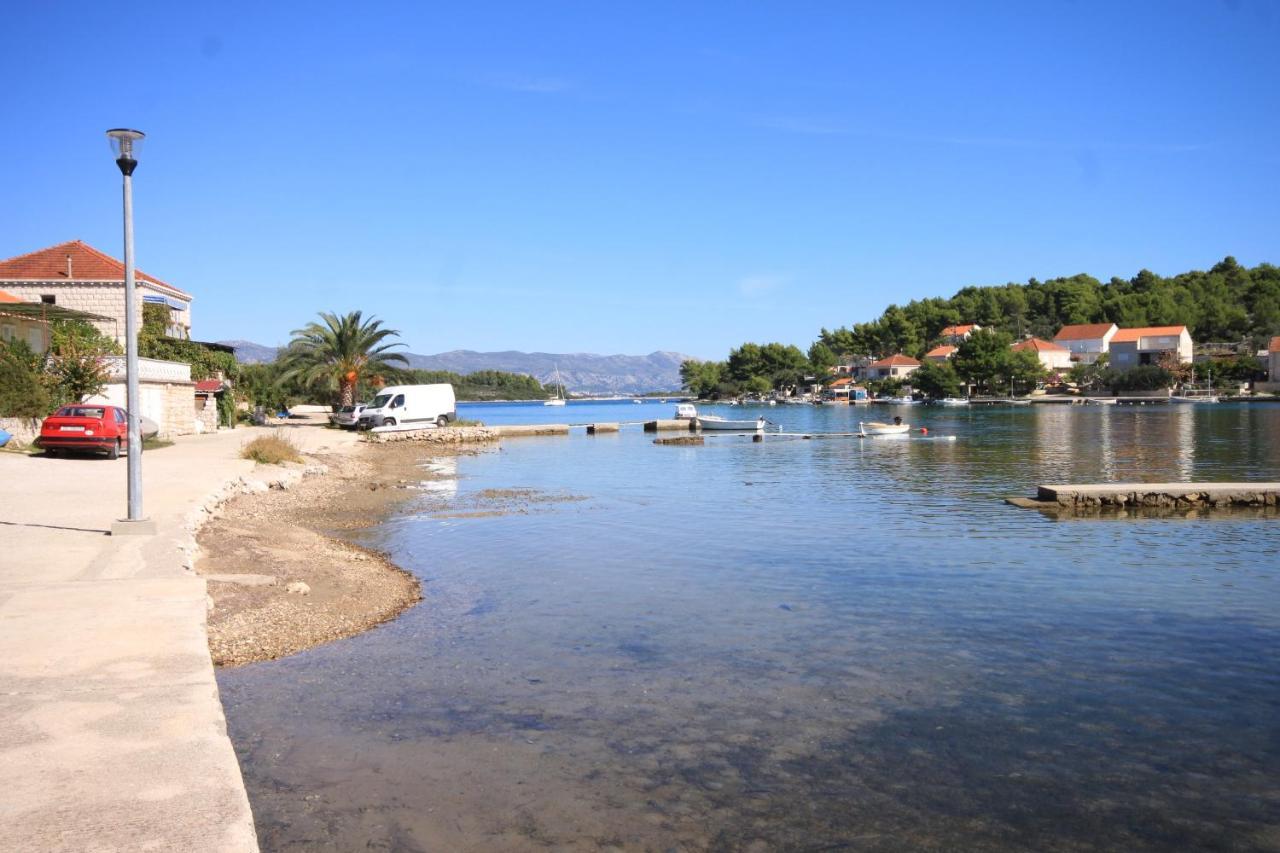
(149, 369)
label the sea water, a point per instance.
(799, 645)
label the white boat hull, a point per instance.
(882, 429)
(711, 422)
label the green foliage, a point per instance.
(985, 360)
(778, 365)
(1227, 303)
(702, 378)
(1241, 368)
(481, 385)
(205, 362)
(1144, 377)
(338, 353)
(1089, 376)
(938, 380)
(822, 358)
(227, 409)
(22, 392)
(73, 368)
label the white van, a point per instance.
(418, 405)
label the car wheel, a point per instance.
(389, 422)
(442, 421)
(113, 452)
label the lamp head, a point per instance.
(126, 144)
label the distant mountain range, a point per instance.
(582, 373)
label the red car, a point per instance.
(86, 426)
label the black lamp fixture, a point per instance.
(126, 143)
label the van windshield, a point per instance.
(380, 401)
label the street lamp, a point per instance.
(126, 144)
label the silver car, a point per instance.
(347, 416)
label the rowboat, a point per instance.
(883, 429)
(715, 422)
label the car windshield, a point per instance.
(380, 401)
(347, 409)
(80, 412)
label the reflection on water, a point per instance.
(825, 644)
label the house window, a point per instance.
(49, 299)
(8, 332)
(35, 338)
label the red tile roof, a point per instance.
(1275, 344)
(1083, 332)
(941, 352)
(8, 297)
(896, 360)
(1037, 345)
(840, 382)
(1130, 335)
(957, 331)
(73, 261)
(205, 386)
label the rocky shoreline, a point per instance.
(280, 578)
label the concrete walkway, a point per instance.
(112, 735)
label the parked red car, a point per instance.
(85, 426)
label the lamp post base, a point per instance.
(130, 527)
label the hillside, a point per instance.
(582, 373)
(1228, 303)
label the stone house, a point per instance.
(77, 276)
(1086, 341)
(896, 366)
(941, 354)
(1134, 347)
(958, 334)
(1055, 358)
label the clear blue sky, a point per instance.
(625, 177)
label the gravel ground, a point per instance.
(298, 585)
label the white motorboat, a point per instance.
(953, 401)
(686, 411)
(558, 400)
(715, 422)
(880, 428)
(1185, 398)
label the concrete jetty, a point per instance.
(515, 430)
(596, 429)
(659, 425)
(1177, 495)
(681, 439)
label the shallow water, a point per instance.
(799, 645)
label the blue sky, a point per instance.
(626, 177)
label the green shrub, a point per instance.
(271, 449)
(22, 393)
(1144, 377)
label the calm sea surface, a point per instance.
(799, 645)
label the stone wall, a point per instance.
(170, 404)
(206, 414)
(96, 297)
(23, 430)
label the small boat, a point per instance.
(953, 401)
(883, 429)
(715, 422)
(637, 402)
(685, 412)
(1207, 398)
(558, 400)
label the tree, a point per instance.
(22, 393)
(937, 380)
(702, 378)
(74, 366)
(1025, 370)
(985, 360)
(336, 354)
(822, 358)
(1088, 376)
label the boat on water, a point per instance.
(1198, 398)
(953, 401)
(558, 400)
(685, 412)
(715, 422)
(879, 428)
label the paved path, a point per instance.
(112, 735)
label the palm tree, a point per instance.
(340, 352)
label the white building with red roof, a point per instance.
(1086, 341)
(1146, 345)
(77, 276)
(958, 334)
(896, 366)
(941, 354)
(1054, 358)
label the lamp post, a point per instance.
(126, 143)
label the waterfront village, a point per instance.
(214, 575)
(63, 307)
